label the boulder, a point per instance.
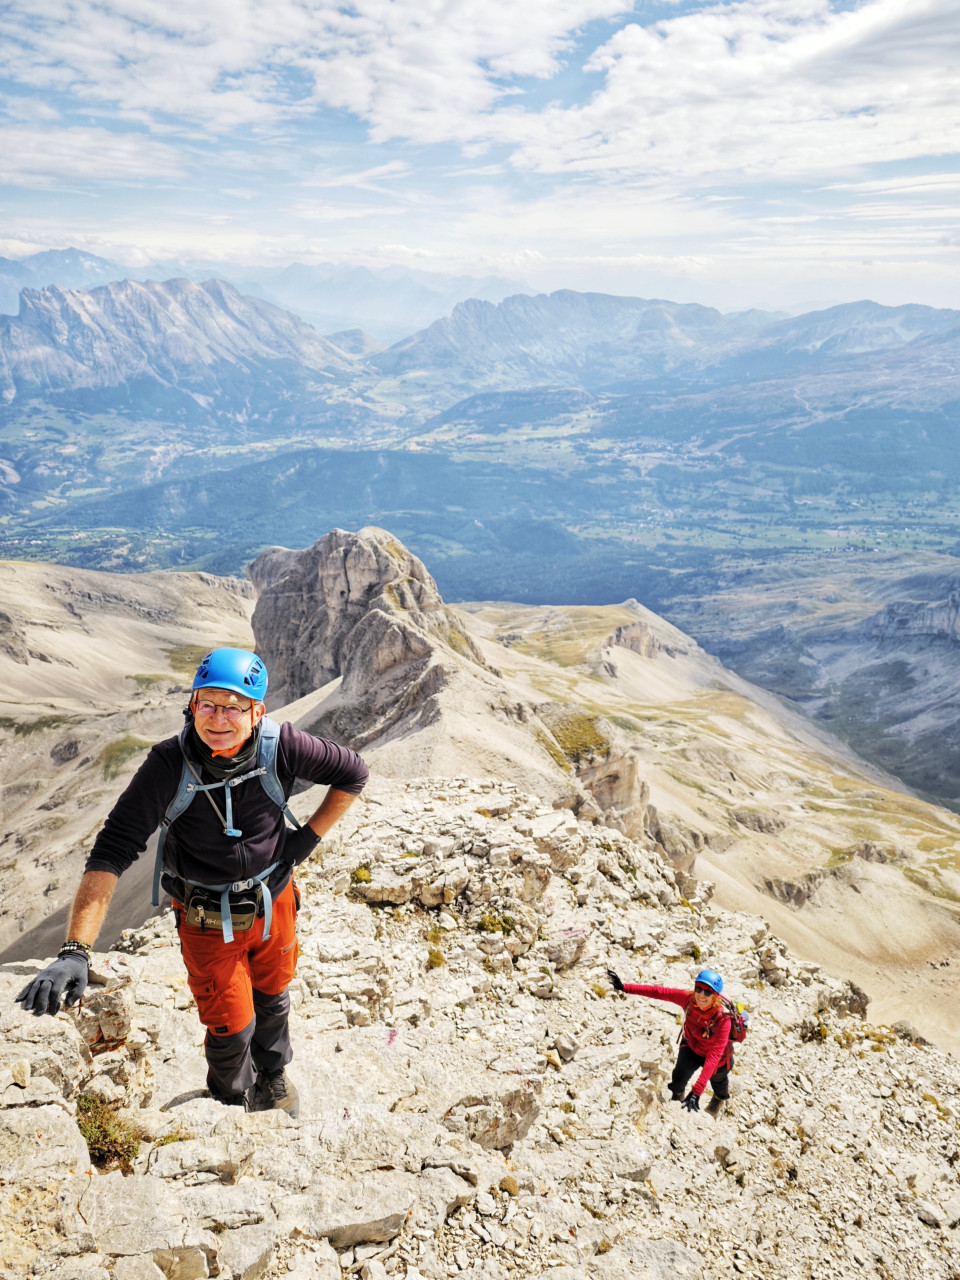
(40, 1144)
(368, 1209)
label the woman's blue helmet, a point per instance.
(238, 670)
(710, 978)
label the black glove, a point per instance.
(692, 1102)
(617, 984)
(299, 845)
(67, 976)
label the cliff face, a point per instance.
(362, 649)
(475, 1100)
(354, 605)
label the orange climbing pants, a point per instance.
(223, 975)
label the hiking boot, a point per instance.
(276, 1093)
(715, 1106)
(676, 1097)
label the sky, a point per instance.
(777, 153)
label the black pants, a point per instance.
(689, 1063)
(264, 1045)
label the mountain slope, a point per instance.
(619, 716)
(205, 339)
(94, 668)
(475, 1099)
(588, 339)
(598, 340)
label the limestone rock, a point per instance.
(247, 1251)
(40, 1144)
(497, 1122)
(354, 605)
(653, 1259)
(371, 1209)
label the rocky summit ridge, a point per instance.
(362, 648)
(476, 1102)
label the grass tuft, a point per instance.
(111, 1141)
(115, 755)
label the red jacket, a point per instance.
(707, 1034)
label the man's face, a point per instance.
(223, 719)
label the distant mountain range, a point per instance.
(599, 341)
(181, 333)
(392, 302)
(571, 446)
(69, 268)
(132, 339)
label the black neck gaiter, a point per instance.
(220, 768)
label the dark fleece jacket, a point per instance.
(196, 848)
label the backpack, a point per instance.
(739, 1020)
(190, 785)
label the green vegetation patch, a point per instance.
(490, 922)
(116, 754)
(576, 733)
(185, 658)
(24, 727)
(145, 682)
(112, 1141)
(552, 750)
(361, 874)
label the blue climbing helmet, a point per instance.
(709, 978)
(238, 670)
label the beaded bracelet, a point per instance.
(74, 944)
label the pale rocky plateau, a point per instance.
(475, 1100)
(554, 792)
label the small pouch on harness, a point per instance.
(201, 908)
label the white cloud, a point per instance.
(763, 88)
(33, 156)
(754, 88)
(411, 68)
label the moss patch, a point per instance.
(490, 922)
(577, 734)
(145, 682)
(111, 1141)
(115, 755)
(185, 658)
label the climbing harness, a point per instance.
(190, 785)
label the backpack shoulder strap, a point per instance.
(181, 801)
(267, 760)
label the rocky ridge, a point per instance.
(475, 1101)
(201, 337)
(362, 648)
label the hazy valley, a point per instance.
(571, 448)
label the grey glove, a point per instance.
(691, 1102)
(67, 977)
(614, 978)
(299, 845)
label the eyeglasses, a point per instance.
(230, 710)
(703, 991)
